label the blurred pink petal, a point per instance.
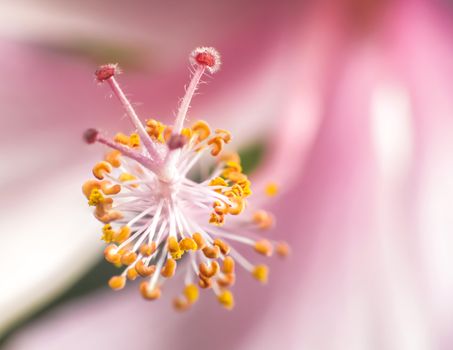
(48, 102)
(369, 227)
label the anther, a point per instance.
(147, 293)
(260, 272)
(128, 258)
(198, 238)
(122, 234)
(191, 293)
(282, 249)
(101, 168)
(188, 244)
(113, 157)
(224, 247)
(211, 252)
(144, 270)
(226, 299)
(132, 274)
(209, 271)
(181, 304)
(169, 268)
(227, 280)
(271, 189)
(201, 128)
(148, 249)
(117, 282)
(228, 265)
(204, 282)
(263, 219)
(111, 254)
(264, 247)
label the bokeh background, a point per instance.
(346, 104)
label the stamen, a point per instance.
(155, 216)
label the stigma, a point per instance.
(158, 222)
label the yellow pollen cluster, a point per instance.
(235, 186)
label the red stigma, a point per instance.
(206, 59)
(106, 72)
(90, 136)
(176, 141)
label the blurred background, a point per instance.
(346, 104)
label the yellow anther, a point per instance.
(121, 138)
(226, 299)
(209, 271)
(223, 246)
(271, 189)
(237, 207)
(201, 128)
(172, 244)
(147, 293)
(263, 219)
(132, 274)
(123, 234)
(109, 190)
(264, 247)
(177, 255)
(224, 134)
(124, 177)
(230, 157)
(231, 167)
(128, 258)
(96, 197)
(191, 293)
(188, 244)
(187, 132)
(204, 282)
(226, 280)
(236, 177)
(104, 206)
(107, 233)
(283, 249)
(114, 158)
(237, 190)
(198, 238)
(174, 248)
(217, 145)
(111, 254)
(181, 304)
(89, 186)
(228, 265)
(220, 207)
(217, 219)
(144, 270)
(246, 187)
(211, 252)
(148, 249)
(117, 282)
(260, 272)
(169, 268)
(109, 216)
(157, 130)
(218, 181)
(134, 141)
(101, 168)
